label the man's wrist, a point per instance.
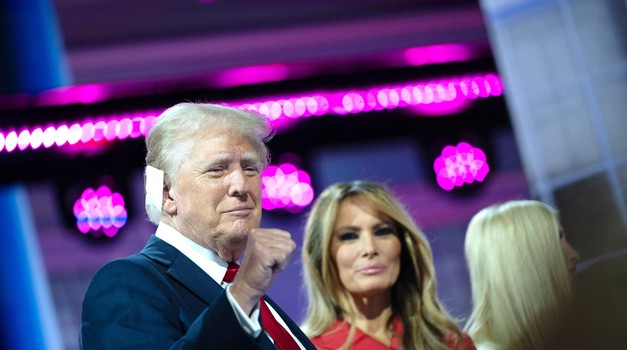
(245, 296)
(248, 320)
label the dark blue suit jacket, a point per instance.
(160, 299)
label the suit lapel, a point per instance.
(194, 278)
(182, 269)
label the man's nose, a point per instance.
(238, 186)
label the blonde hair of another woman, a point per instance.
(518, 274)
(414, 296)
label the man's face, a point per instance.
(215, 198)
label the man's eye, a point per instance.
(348, 236)
(384, 231)
(215, 170)
(251, 170)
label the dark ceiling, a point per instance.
(131, 40)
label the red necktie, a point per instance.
(282, 339)
(231, 271)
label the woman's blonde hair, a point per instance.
(519, 278)
(414, 299)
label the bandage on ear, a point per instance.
(154, 188)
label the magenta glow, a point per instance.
(285, 187)
(424, 98)
(460, 165)
(100, 211)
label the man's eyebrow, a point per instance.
(252, 157)
(219, 159)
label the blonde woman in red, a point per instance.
(370, 276)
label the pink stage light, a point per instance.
(61, 135)
(285, 187)
(425, 98)
(123, 128)
(49, 136)
(75, 133)
(36, 138)
(459, 165)
(23, 140)
(10, 141)
(443, 97)
(100, 212)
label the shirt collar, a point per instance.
(205, 258)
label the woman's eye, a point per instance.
(384, 231)
(348, 236)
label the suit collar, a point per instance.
(206, 259)
(182, 269)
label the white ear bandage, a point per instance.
(154, 192)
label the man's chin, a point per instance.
(243, 225)
(233, 249)
(235, 245)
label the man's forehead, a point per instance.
(235, 155)
(223, 145)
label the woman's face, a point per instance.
(570, 254)
(366, 249)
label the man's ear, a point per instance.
(169, 204)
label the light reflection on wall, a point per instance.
(248, 75)
(444, 53)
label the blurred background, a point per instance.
(453, 104)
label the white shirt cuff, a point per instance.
(250, 324)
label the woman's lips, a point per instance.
(371, 269)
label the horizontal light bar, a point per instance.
(281, 110)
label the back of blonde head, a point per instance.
(519, 278)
